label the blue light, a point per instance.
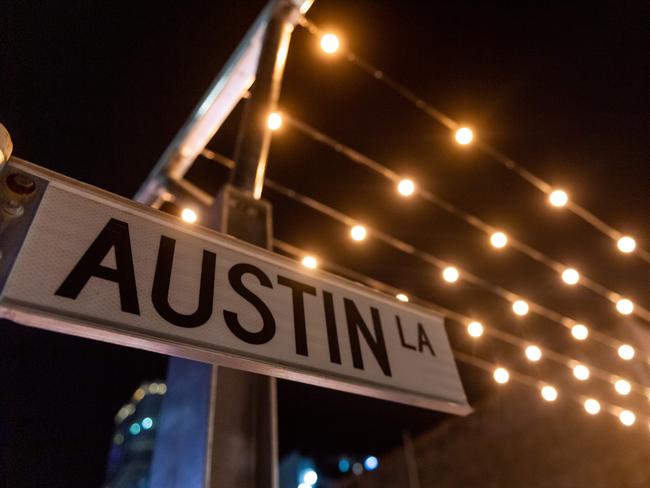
(134, 429)
(310, 477)
(371, 463)
(147, 423)
(344, 465)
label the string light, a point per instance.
(358, 233)
(549, 393)
(626, 244)
(627, 418)
(622, 387)
(570, 276)
(520, 307)
(626, 352)
(499, 240)
(402, 297)
(310, 262)
(592, 406)
(330, 43)
(581, 372)
(189, 215)
(406, 187)
(501, 375)
(558, 198)
(579, 332)
(625, 306)
(450, 274)
(274, 121)
(533, 353)
(475, 329)
(464, 136)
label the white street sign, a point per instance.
(85, 262)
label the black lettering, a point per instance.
(330, 323)
(423, 339)
(161, 282)
(401, 334)
(377, 344)
(268, 328)
(115, 235)
(297, 295)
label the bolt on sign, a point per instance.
(82, 261)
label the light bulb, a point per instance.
(401, 297)
(274, 121)
(592, 406)
(549, 393)
(570, 276)
(475, 329)
(581, 372)
(625, 306)
(330, 43)
(189, 215)
(310, 262)
(520, 307)
(358, 233)
(499, 240)
(626, 352)
(501, 375)
(464, 136)
(579, 332)
(622, 387)
(406, 187)
(533, 353)
(627, 418)
(626, 244)
(558, 198)
(450, 274)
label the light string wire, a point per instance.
(494, 153)
(472, 220)
(457, 319)
(409, 249)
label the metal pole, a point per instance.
(411, 463)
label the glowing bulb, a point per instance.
(570, 276)
(274, 121)
(464, 136)
(401, 297)
(475, 329)
(371, 463)
(501, 375)
(625, 306)
(622, 387)
(189, 215)
(520, 307)
(310, 477)
(406, 187)
(499, 240)
(625, 351)
(533, 353)
(330, 43)
(358, 233)
(579, 332)
(147, 423)
(626, 244)
(450, 274)
(581, 372)
(549, 393)
(592, 406)
(627, 418)
(310, 262)
(558, 198)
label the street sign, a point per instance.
(81, 261)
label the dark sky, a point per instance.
(96, 90)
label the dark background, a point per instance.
(96, 91)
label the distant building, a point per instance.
(133, 440)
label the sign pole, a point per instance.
(241, 418)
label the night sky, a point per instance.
(96, 91)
